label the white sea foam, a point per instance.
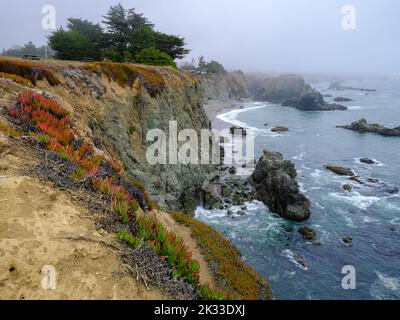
(317, 204)
(302, 187)
(295, 259)
(254, 205)
(355, 108)
(289, 274)
(362, 202)
(231, 117)
(384, 283)
(209, 214)
(299, 156)
(367, 219)
(388, 282)
(349, 221)
(317, 173)
(395, 221)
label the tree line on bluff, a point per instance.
(128, 36)
(123, 36)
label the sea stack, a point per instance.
(275, 181)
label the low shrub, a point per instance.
(41, 137)
(166, 244)
(154, 57)
(122, 201)
(211, 294)
(129, 238)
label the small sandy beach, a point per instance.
(216, 107)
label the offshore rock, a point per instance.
(275, 182)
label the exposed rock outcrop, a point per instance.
(347, 187)
(122, 116)
(347, 240)
(378, 187)
(230, 86)
(342, 171)
(363, 126)
(279, 129)
(281, 88)
(367, 161)
(293, 91)
(312, 100)
(275, 181)
(339, 87)
(226, 191)
(308, 233)
(342, 99)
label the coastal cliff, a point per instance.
(230, 86)
(80, 130)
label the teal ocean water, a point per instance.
(370, 214)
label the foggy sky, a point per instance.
(252, 35)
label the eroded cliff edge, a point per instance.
(105, 110)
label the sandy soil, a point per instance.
(35, 223)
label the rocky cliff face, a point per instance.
(232, 86)
(279, 89)
(293, 91)
(116, 106)
(125, 126)
(276, 185)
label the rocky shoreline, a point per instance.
(363, 126)
(271, 180)
(275, 182)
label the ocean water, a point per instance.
(300, 269)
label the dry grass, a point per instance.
(9, 130)
(28, 70)
(126, 74)
(16, 79)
